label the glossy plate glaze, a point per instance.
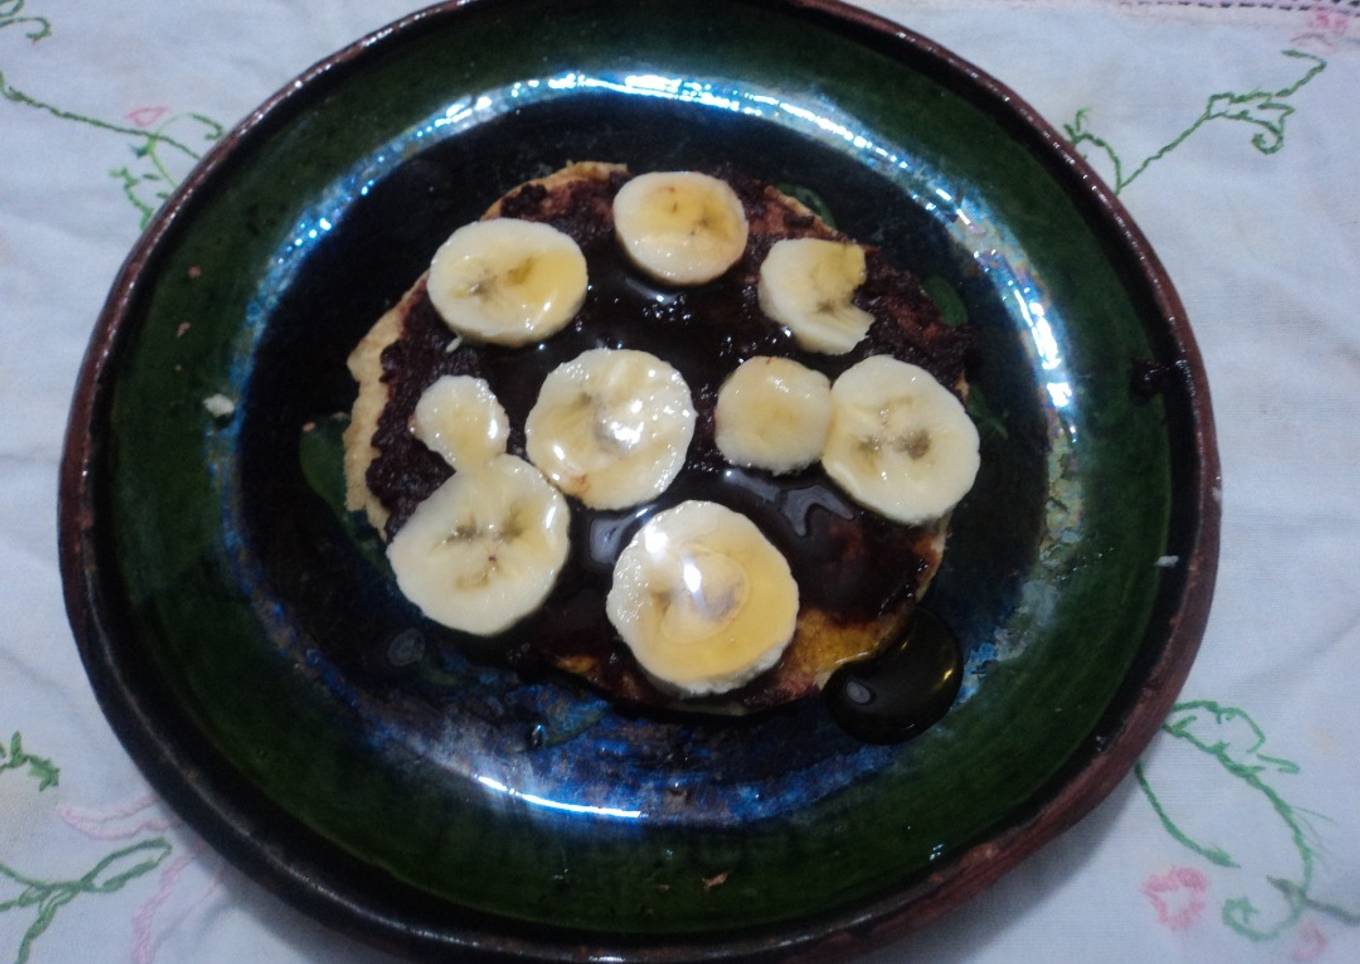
(247, 642)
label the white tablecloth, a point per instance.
(1235, 132)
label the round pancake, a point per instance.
(859, 575)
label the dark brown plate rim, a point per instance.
(294, 862)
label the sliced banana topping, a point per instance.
(774, 414)
(611, 427)
(702, 599)
(459, 418)
(506, 281)
(680, 227)
(806, 284)
(901, 443)
(484, 550)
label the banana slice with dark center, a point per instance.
(900, 443)
(485, 549)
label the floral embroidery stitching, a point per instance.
(47, 897)
(1264, 110)
(161, 155)
(1232, 738)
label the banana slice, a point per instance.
(484, 550)
(459, 418)
(680, 227)
(506, 281)
(702, 599)
(773, 414)
(806, 284)
(901, 443)
(611, 427)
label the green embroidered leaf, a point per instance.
(46, 774)
(40, 768)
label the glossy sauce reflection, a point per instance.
(899, 693)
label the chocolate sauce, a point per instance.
(895, 695)
(849, 562)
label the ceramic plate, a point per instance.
(249, 647)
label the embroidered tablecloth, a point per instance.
(1230, 131)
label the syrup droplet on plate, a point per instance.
(897, 694)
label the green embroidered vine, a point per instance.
(149, 179)
(1215, 855)
(1292, 892)
(39, 768)
(106, 877)
(1218, 731)
(129, 183)
(9, 16)
(46, 897)
(1266, 110)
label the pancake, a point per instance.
(859, 574)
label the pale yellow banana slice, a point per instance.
(900, 443)
(484, 550)
(680, 227)
(611, 427)
(774, 414)
(702, 599)
(459, 418)
(806, 284)
(507, 282)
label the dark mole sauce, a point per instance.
(902, 690)
(851, 563)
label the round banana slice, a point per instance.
(507, 282)
(680, 227)
(774, 414)
(459, 418)
(901, 443)
(806, 285)
(611, 427)
(484, 550)
(702, 599)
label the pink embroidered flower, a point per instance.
(1312, 943)
(1332, 23)
(146, 116)
(141, 815)
(1177, 896)
(175, 899)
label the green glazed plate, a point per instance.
(244, 635)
